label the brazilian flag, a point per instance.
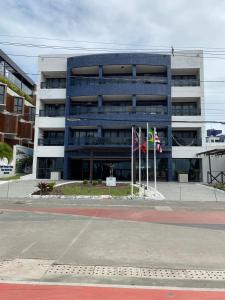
(150, 138)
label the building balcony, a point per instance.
(55, 83)
(95, 86)
(8, 123)
(50, 142)
(25, 130)
(52, 113)
(100, 141)
(186, 111)
(183, 142)
(105, 141)
(119, 109)
(185, 82)
(52, 94)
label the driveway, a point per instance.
(171, 190)
(189, 192)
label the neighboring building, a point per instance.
(17, 104)
(88, 103)
(215, 136)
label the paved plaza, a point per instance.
(173, 191)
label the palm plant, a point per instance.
(6, 152)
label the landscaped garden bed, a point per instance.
(84, 189)
(220, 186)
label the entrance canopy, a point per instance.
(216, 152)
(220, 176)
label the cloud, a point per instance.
(138, 23)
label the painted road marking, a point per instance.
(163, 208)
(75, 239)
(28, 247)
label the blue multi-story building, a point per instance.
(87, 105)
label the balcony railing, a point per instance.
(186, 111)
(179, 141)
(48, 85)
(52, 113)
(119, 109)
(119, 80)
(154, 110)
(185, 82)
(95, 141)
(50, 142)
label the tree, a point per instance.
(6, 152)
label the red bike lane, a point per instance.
(65, 292)
(135, 214)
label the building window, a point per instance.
(190, 166)
(18, 105)
(46, 165)
(32, 114)
(54, 83)
(52, 138)
(2, 94)
(54, 110)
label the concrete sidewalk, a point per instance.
(189, 192)
(172, 191)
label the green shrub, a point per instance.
(14, 88)
(99, 181)
(94, 182)
(45, 187)
(51, 186)
(85, 181)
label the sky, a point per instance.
(112, 25)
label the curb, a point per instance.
(103, 197)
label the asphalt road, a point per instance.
(161, 235)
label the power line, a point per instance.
(115, 43)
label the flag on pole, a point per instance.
(144, 147)
(154, 138)
(158, 143)
(150, 137)
(135, 139)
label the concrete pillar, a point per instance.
(169, 136)
(100, 98)
(170, 169)
(100, 72)
(134, 71)
(134, 103)
(169, 106)
(99, 131)
(91, 166)
(66, 168)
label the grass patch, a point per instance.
(97, 190)
(220, 186)
(17, 176)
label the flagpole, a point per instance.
(132, 162)
(139, 161)
(155, 158)
(147, 154)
